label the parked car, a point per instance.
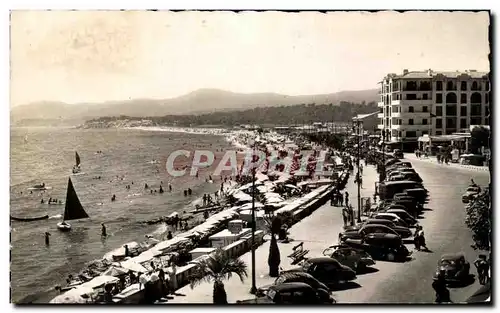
(398, 221)
(398, 154)
(403, 232)
(365, 230)
(391, 162)
(290, 293)
(296, 277)
(380, 246)
(356, 259)
(387, 190)
(470, 193)
(456, 268)
(401, 212)
(327, 270)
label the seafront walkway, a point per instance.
(318, 231)
(432, 159)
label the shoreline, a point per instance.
(237, 139)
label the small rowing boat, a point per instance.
(29, 219)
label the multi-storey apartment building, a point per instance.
(435, 103)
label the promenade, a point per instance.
(318, 231)
(412, 157)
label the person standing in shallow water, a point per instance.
(47, 239)
(103, 230)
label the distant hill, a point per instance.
(196, 102)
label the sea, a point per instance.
(120, 157)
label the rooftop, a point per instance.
(431, 74)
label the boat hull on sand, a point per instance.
(40, 188)
(29, 219)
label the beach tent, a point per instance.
(115, 271)
(134, 267)
(96, 282)
(74, 296)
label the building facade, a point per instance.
(416, 103)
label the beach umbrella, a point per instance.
(115, 271)
(68, 299)
(134, 267)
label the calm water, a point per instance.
(48, 156)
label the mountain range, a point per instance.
(196, 102)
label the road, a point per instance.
(408, 282)
(445, 232)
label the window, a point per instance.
(450, 86)
(411, 96)
(439, 111)
(451, 110)
(439, 133)
(486, 110)
(475, 110)
(439, 85)
(463, 111)
(425, 96)
(475, 98)
(439, 123)
(410, 109)
(463, 86)
(425, 132)
(487, 87)
(424, 108)
(439, 98)
(410, 121)
(487, 121)
(475, 86)
(411, 133)
(451, 97)
(463, 98)
(463, 123)
(487, 97)
(475, 121)
(424, 121)
(451, 123)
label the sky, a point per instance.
(97, 56)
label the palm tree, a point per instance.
(216, 268)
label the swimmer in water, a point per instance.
(103, 230)
(47, 241)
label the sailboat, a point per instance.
(73, 209)
(76, 167)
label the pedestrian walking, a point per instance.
(482, 268)
(346, 198)
(345, 216)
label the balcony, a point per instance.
(396, 102)
(411, 127)
(418, 102)
(380, 115)
(380, 104)
(407, 113)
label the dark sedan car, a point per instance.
(290, 293)
(456, 268)
(327, 270)
(401, 212)
(296, 277)
(403, 232)
(356, 259)
(388, 247)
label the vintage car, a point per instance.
(356, 259)
(391, 162)
(380, 246)
(296, 277)
(398, 154)
(470, 193)
(327, 270)
(403, 232)
(398, 221)
(290, 293)
(455, 266)
(365, 230)
(400, 211)
(387, 190)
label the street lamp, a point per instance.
(359, 174)
(253, 290)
